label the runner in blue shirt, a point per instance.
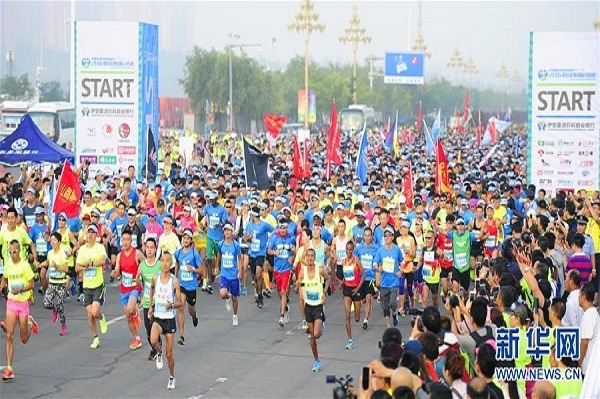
(228, 258)
(387, 262)
(283, 247)
(256, 234)
(358, 231)
(215, 217)
(187, 269)
(366, 253)
(40, 235)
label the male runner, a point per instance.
(215, 217)
(366, 252)
(313, 291)
(18, 277)
(229, 258)
(354, 277)
(256, 233)
(387, 261)
(187, 268)
(164, 299)
(149, 267)
(90, 260)
(127, 267)
(282, 246)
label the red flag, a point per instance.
(420, 117)
(442, 179)
(274, 124)
(460, 127)
(492, 128)
(479, 131)
(334, 152)
(407, 187)
(465, 117)
(301, 162)
(68, 193)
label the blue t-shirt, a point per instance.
(133, 197)
(390, 260)
(37, 235)
(188, 279)
(217, 216)
(116, 227)
(160, 218)
(326, 235)
(284, 245)
(358, 233)
(378, 235)
(292, 228)
(366, 254)
(467, 216)
(259, 236)
(74, 224)
(229, 259)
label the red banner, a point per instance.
(492, 129)
(420, 117)
(274, 124)
(407, 187)
(301, 162)
(465, 117)
(442, 179)
(68, 193)
(333, 153)
(479, 131)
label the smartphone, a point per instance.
(477, 284)
(366, 376)
(472, 296)
(536, 305)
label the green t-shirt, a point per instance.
(146, 273)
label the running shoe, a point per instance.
(260, 303)
(159, 362)
(365, 324)
(137, 321)
(401, 312)
(152, 355)
(195, 320)
(95, 343)
(281, 322)
(41, 291)
(33, 324)
(54, 316)
(209, 289)
(181, 341)
(63, 330)
(266, 293)
(8, 375)
(171, 384)
(204, 288)
(235, 320)
(229, 304)
(81, 297)
(316, 366)
(136, 343)
(350, 345)
(103, 325)
(244, 291)
(395, 319)
(304, 325)
(286, 316)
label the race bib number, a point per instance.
(213, 221)
(461, 261)
(134, 240)
(490, 242)
(429, 256)
(127, 280)
(341, 254)
(54, 273)
(284, 253)
(146, 292)
(90, 272)
(255, 245)
(427, 271)
(367, 261)
(41, 245)
(348, 273)
(448, 254)
(388, 265)
(312, 296)
(160, 307)
(418, 252)
(227, 261)
(1, 267)
(186, 275)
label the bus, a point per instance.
(56, 120)
(11, 113)
(352, 119)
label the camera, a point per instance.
(453, 301)
(342, 389)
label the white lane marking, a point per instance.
(115, 320)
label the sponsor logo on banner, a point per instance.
(85, 111)
(88, 151)
(566, 143)
(585, 183)
(124, 130)
(585, 173)
(19, 144)
(545, 182)
(126, 160)
(543, 143)
(545, 172)
(566, 162)
(86, 62)
(90, 158)
(566, 183)
(586, 144)
(541, 126)
(586, 153)
(107, 159)
(126, 150)
(107, 150)
(587, 163)
(543, 74)
(107, 130)
(90, 132)
(566, 173)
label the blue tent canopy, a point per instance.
(28, 144)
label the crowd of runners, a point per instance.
(494, 242)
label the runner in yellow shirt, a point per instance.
(18, 277)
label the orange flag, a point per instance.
(274, 124)
(407, 186)
(442, 179)
(68, 193)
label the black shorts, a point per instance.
(463, 279)
(312, 313)
(339, 272)
(477, 249)
(94, 295)
(368, 288)
(112, 250)
(190, 296)
(445, 272)
(169, 326)
(42, 259)
(271, 260)
(433, 287)
(256, 262)
(348, 292)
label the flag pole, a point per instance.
(244, 161)
(148, 133)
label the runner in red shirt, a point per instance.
(444, 245)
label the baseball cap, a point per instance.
(188, 232)
(521, 312)
(151, 212)
(228, 226)
(39, 210)
(63, 215)
(388, 229)
(31, 190)
(92, 227)
(459, 221)
(359, 213)
(95, 211)
(131, 212)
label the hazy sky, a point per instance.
(491, 32)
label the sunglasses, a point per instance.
(94, 216)
(13, 252)
(62, 219)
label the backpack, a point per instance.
(196, 261)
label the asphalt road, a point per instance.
(257, 359)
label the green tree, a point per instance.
(52, 91)
(16, 88)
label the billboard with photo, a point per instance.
(404, 68)
(116, 93)
(563, 150)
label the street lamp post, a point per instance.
(455, 63)
(306, 21)
(419, 45)
(470, 69)
(503, 76)
(354, 34)
(231, 46)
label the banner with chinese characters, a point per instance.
(564, 111)
(116, 93)
(312, 106)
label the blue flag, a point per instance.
(361, 159)
(437, 126)
(507, 116)
(389, 140)
(517, 146)
(428, 140)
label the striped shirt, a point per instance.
(582, 263)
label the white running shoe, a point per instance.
(159, 362)
(235, 320)
(171, 384)
(229, 304)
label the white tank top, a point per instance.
(163, 293)
(340, 249)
